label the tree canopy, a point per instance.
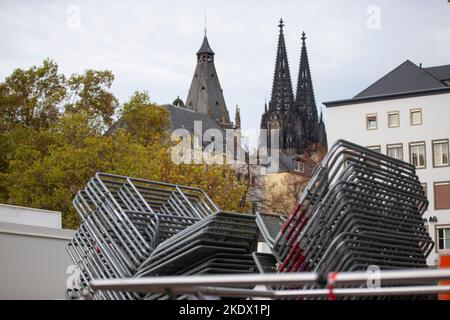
(52, 141)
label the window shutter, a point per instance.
(442, 195)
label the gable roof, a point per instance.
(405, 78)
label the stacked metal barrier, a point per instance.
(221, 243)
(136, 227)
(360, 208)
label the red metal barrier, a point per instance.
(444, 262)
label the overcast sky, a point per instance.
(151, 45)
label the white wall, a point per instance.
(30, 216)
(349, 122)
(33, 262)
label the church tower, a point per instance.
(300, 130)
(205, 93)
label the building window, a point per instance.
(371, 122)
(443, 238)
(415, 117)
(395, 151)
(375, 148)
(440, 153)
(393, 119)
(442, 195)
(417, 154)
(299, 166)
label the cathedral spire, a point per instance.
(282, 96)
(304, 98)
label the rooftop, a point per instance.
(406, 80)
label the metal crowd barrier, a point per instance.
(331, 284)
(132, 228)
(360, 209)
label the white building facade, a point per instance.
(406, 115)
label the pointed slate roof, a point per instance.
(205, 93)
(282, 96)
(205, 47)
(406, 77)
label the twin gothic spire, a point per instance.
(295, 116)
(282, 98)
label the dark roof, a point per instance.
(400, 95)
(205, 48)
(440, 72)
(184, 118)
(178, 102)
(407, 80)
(406, 77)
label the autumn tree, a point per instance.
(145, 121)
(90, 92)
(31, 98)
